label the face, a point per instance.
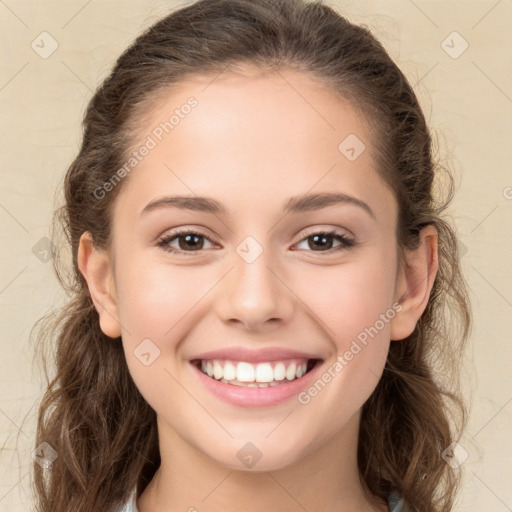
(257, 273)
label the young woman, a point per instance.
(266, 303)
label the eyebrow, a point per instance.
(297, 204)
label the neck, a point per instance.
(327, 479)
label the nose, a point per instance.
(255, 293)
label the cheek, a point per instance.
(153, 297)
(156, 307)
(356, 317)
(354, 306)
(350, 298)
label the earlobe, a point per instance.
(96, 267)
(415, 282)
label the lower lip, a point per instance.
(257, 397)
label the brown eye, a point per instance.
(188, 242)
(323, 241)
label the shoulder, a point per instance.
(130, 505)
(395, 503)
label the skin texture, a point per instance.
(251, 143)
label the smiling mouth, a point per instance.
(262, 375)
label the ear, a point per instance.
(96, 267)
(414, 283)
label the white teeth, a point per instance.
(244, 372)
(217, 370)
(264, 373)
(253, 375)
(279, 371)
(290, 372)
(229, 371)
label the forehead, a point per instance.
(257, 104)
(261, 135)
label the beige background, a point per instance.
(467, 100)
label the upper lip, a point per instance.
(255, 356)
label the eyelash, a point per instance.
(345, 241)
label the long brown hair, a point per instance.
(93, 415)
